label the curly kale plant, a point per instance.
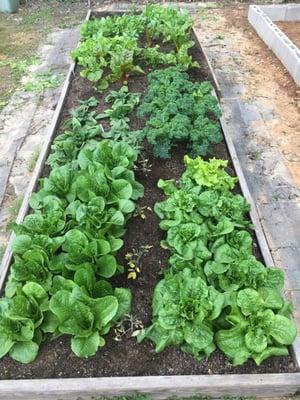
(179, 111)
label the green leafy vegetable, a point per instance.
(110, 50)
(179, 111)
(258, 328)
(82, 127)
(64, 252)
(215, 291)
(123, 103)
(183, 310)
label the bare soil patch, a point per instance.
(292, 30)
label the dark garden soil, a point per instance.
(126, 357)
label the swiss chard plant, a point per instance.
(107, 59)
(110, 49)
(179, 111)
(170, 24)
(126, 24)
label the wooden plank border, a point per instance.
(159, 387)
(212, 72)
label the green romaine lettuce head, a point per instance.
(261, 326)
(86, 319)
(212, 251)
(65, 250)
(20, 321)
(32, 266)
(183, 310)
(188, 240)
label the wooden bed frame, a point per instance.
(159, 387)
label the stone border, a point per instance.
(262, 17)
(159, 387)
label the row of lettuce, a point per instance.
(215, 293)
(64, 253)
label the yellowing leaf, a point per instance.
(131, 264)
(135, 333)
(132, 275)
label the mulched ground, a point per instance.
(127, 358)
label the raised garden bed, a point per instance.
(122, 367)
(264, 20)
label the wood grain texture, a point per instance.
(159, 387)
(198, 43)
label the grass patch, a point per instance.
(255, 155)
(220, 36)
(206, 14)
(21, 34)
(42, 81)
(38, 17)
(2, 251)
(13, 209)
(33, 158)
(19, 68)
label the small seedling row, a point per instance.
(123, 367)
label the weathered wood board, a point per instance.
(159, 387)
